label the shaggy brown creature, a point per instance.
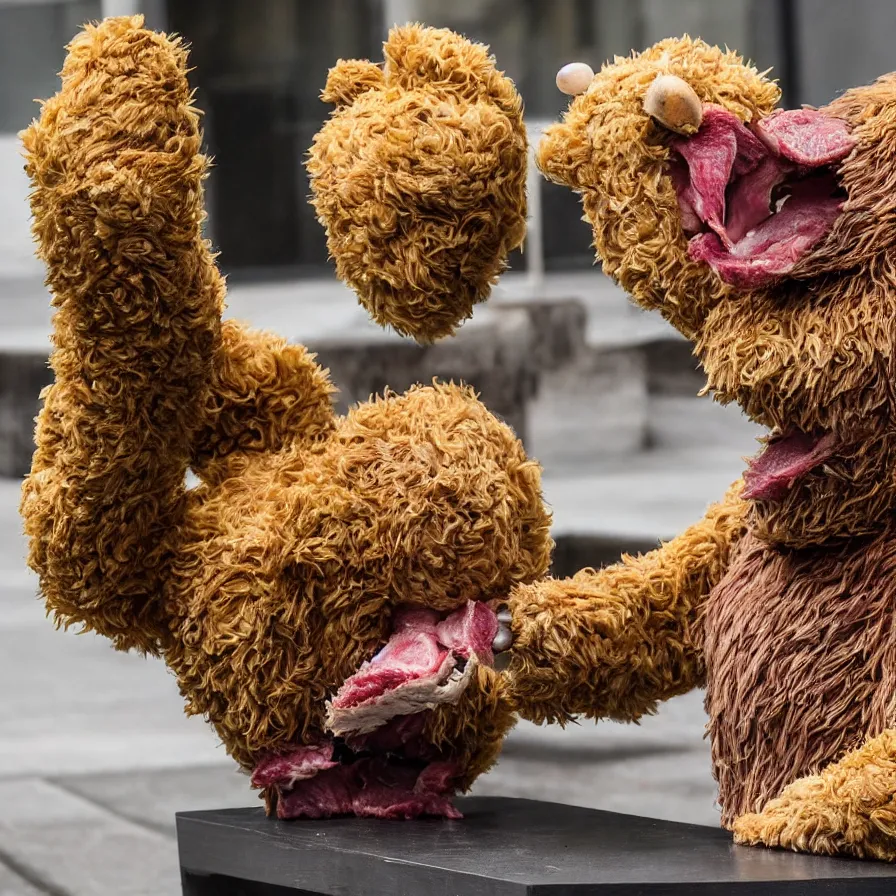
(312, 542)
(420, 179)
(767, 238)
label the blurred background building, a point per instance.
(261, 65)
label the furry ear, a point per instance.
(349, 78)
(420, 57)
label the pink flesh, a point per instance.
(392, 771)
(470, 631)
(374, 788)
(381, 785)
(726, 182)
(421, 649)
(805, 136)
(710, 161)
(297, 765)
(409, 655)
(771, 250)
(401, 734)
(784, 460)
(751, 197)
(690, 220)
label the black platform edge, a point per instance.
(503, 847)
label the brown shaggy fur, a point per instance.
(784, 608)
(420, 179)
(268, 584)
(802, 649)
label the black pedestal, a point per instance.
(503, 847)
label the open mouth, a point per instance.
(786, 458)
(376, 762)
(755, 200)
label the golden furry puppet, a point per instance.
(324, 595)
(768, 238)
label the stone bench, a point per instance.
(499, 356)
(502, 847)
(573, 405)
(23, 374)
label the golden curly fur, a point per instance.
(419, 177)
(268, 584)
(783, 608)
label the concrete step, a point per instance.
(528, 358)
(654, 497)
(497, 354)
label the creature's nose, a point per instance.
(575, 78)
(673, 103)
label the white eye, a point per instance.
(575, 78)
(673, 103)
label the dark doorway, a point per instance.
(259, 68)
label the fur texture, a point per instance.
(269, 584)
(802, 654)
(782, 606)
(420, 179)
(613, 643)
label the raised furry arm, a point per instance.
(116, 169)
(613, 643)
(265, 394)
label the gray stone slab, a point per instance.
(318, 309)
(16, 248)
(575, 551)
(672, 368)
(658, 769)
(74, 847)
(692, 425)
(78, 706)
(679, 724)
(651, 779)
(643, 497)
(13, 547)
(589, 410)
(496, 356)
(559, 328)
(22, 377)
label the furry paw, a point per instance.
(804, 823)
(809, 817)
